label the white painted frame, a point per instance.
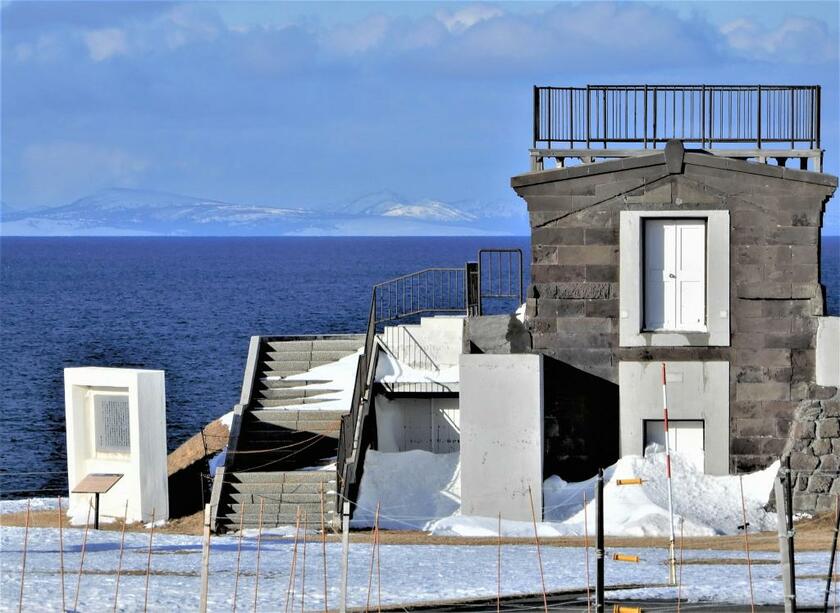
(631, 281)
(145, 481)
(697, 391)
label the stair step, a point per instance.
(300, 365)
(282, 374)
(349, 343)
(294, 393)
(264, 438)
(288, 497)
(289, 383)
(279, 490)
(273, 506)
(252, 520)
(305, 414)
(325, 355)
(278, 403)
(281, 476)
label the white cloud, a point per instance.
(465, 18)
(795, 40)
(353, 38)
(105, 43)
(54, 169)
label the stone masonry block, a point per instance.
(762, 391)
(828, 428)
(803, 461)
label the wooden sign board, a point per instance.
(97, 483)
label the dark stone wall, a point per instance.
(775, 294)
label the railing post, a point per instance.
(536, 116)
(571, 118)
(646, 120)
(605, 117)
(792, 118)
(817, 116)
(758, 119)
(702, 116)
(548, 117)
(588, 114)
(655, 110)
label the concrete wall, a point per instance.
(431, 424)
(144, 484)
(501, 406)
(434, 342)
(696, 391)
(828, 351)
(774, 293)
(496, 334)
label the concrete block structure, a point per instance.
(501, 408)
(116, 423)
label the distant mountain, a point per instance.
(389, 204)
(131, 212)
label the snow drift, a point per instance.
(419, 490)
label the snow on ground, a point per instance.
(414, 488)
(409, 572)
(391, 370)
(226, 419)
(420, 490)
(339, 375)
(36, 504)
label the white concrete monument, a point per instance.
(501, 405)
(116, 425)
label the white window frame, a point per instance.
(632, 332)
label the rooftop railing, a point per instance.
(750, 121)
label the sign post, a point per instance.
(96, 484)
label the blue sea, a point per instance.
(187, 306)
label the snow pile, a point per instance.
(226, 420)
(391, 370)
(707, 504)
(414, 488)
(421, 490)
(338, 376)
(35, 504)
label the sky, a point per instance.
(313, 104)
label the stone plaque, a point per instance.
(111, 423)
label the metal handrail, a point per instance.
(464, 296)
(596, 116)
(431, 290)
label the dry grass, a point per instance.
(811, 535)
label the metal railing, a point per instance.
(499, 277)
(438, 290)
(432, 290)
(647, 115)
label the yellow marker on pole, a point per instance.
(633, 481)
(621, 609)
(623, 557)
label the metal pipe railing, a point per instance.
(648, 115)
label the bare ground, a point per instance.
(811, 535)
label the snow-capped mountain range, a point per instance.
(133, 212)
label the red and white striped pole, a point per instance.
(672, 557)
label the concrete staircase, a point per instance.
(278, 431)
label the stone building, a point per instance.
(698, 259)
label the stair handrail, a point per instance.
(466, 298)
(351, 443)
(430, 290)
